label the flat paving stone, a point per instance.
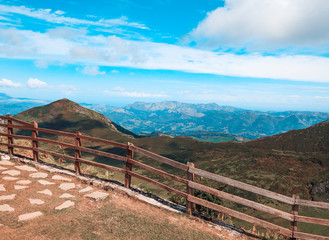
(66, 186)
(26, 168)
(36, 201)
(2, 188)
(6, 208)
(66, 195)
(1, 225)
(19, 187)
(7, 197)
(38, 175)
(6, 163)
(10, 178)
(44, 182)
(3, 168)
(86, 189)
(61, 178)
(66, 204)
(5, 158)
(46, 192)
(12, 172)
(29, 216)
(24, 182)
(97, 196)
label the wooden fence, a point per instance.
(9, 123)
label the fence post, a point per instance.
(35, 142)
(129, 166)
(294, 212)
(77, 153)
(10, 138)
(189, 190)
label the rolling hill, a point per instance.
(66, 115)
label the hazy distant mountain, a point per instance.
(10, 105)
(169, 117)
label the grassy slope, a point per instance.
(66, 115)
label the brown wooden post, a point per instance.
(10, 138)
(35, 142)
(129, 166)
(189, 190)
(77, 153)
(294, 212)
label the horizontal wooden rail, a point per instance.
(16, 120)
(16, 136)
(56, 132)
(159, 158)
(308, 236)
(84, 149)
(309, 203)
(96, 164)
(284, 231)
(17, 126)
(59, 155)
(120, 145)
(161, 185)
(305, 219)
(16, 146)
(242, 201)
(157, 171)
(243, 186)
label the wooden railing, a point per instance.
(294, 201)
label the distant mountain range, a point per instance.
(176, 118)
(204, 122)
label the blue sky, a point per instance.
(255, 54)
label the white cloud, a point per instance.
(119, 91)
(58, 18)
(263, 24)
(116, 52)
(92, 70)
(8, 83)
(36, 83)
(114, 71)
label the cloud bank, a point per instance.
(265, 24)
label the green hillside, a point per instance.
(65, 115)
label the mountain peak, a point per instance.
(66, 115)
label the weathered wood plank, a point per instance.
(161, 185)
(242, 201)
(243, 186)
(157, 171)
(16, 120)
(83, 149)
(160, 158)
(82, 161)
(120, 145)
(56, 132)
(17, 126)
(320, 221)
(308, 236)
(35, 141)
(284, 231)
(309, 203)
(16, 136)
(101, 153)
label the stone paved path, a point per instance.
(27, 193)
